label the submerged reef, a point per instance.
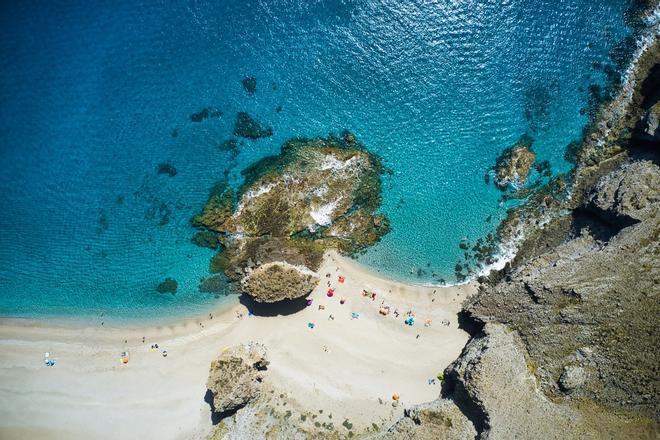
(168, 286)
(205, 113)
(166, 168)
(317, 194)
(216, 284)
(249, 84)
(537, 101)
(248, 127)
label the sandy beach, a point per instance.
(342, 365)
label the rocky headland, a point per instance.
(564, 338)
(317, 194)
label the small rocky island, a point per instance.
(317, 194)
(513, 165)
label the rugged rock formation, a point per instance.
(236, 376)
(277, 281)
(492, 384)
(513, 165)
(592, 301)
(316, 195)
(627, 195)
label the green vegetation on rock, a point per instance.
(317, 194)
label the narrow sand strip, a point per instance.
(342, 365)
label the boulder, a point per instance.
(572, 378)
(277, 281)
(437, 420)
(627, 194)
(236, 376)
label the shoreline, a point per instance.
(227, 303)
(349, 367)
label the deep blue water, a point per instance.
(90, 96)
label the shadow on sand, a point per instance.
(280, 308)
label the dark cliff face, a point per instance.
(584, 291)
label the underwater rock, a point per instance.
(249, 84)
(279, 281)
(248, 127)
(317, 194)
(103, 222)
(236, 376)
(215, 284)
(228, 145)
(160, 210)
(208, 112)
(513, 165)
(537, 101)
(166, 168)
(168, 286)
(206, 239)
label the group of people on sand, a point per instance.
(383, 308)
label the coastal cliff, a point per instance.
(564, 338)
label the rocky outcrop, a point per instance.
(441, 419)
(490, 392)
(513, 165)
(317, 194)
(278, 281)
(626, 195)
(236, 377)
(591, 301)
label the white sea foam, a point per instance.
(323, 214)
(331, 162)
(250, 195)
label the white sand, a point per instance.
(89, 394)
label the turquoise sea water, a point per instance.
(91, 95)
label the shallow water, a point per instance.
(91, 97)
